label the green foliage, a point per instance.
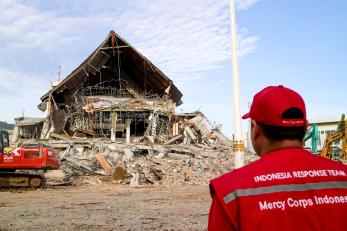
(6, 126)
(341, 124)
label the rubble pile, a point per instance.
(141, 164)
(194, 128)
(194, 153)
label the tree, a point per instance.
(6, 126)
(341, 125)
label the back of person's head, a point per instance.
(280, 112)
(278, 133)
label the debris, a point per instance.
(142, 164)
(135, 180)
(81, 167)
(120, 173)
(150, 139)
(190, 132)
(55, 177)
(200, 169)
(160, 155)
(173, 139)
(84, 131)
(176, 156)
(103, 162)
(58, 136)
(66, 152)
(128, 154)
(202, 124)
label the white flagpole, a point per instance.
(238, 143)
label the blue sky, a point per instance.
(300, 44)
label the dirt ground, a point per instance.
(105, 207)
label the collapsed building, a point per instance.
(115, 93)
(102, 116)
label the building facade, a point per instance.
(325, 127)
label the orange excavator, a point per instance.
(34, 158)
(340, 134)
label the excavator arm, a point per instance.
(344, 146)
(333, 137)
(329, 140)
(313, 134)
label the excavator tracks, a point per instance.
(12, 179)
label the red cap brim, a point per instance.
(246, 116)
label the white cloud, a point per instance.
(26, 27)
(183, 38)
(246, 44)
(245, 4)
(17, 81)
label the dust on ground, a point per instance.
(106, 207)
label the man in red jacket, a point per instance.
(288, 188)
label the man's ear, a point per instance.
(255, 130)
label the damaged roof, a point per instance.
(134, 59)
(27, 121)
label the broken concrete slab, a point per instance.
(160, 155)
(202, 124)
(190, 132)
(54, 177)
(78, 166)
(135, 180)
(58, 136)
(173, 139)
(128, 154)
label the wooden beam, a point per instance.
(104, 163)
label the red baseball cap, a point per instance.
(270, 103)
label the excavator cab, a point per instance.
(34, 157)
(4, 140)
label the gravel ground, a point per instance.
(106, 207)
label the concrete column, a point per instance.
(127, 124)
(114, 126)
(175, 129)
(15, 135)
